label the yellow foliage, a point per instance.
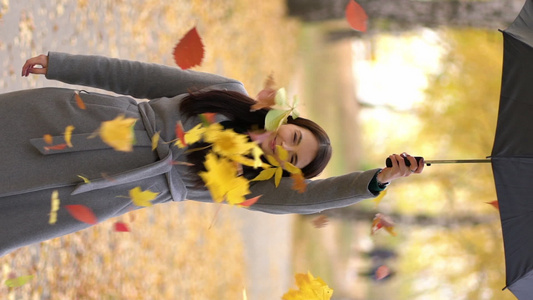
(222, 181)
(142, 198)
(68, 135)
(310, 288)
(54, 207)
(192, 136)
(118, 133)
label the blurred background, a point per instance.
(424, 78)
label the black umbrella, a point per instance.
(512, 154)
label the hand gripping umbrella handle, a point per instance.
(388, 162)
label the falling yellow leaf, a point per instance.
(277, 170)
(227, 142)
(257, 152)
(155, 140)
(265, 174)
(222, 181)
(68, 135)
(19, 281)
(378, 199)
(142, 198)
(310, 288)
(54, 207)
(118, 133)
(85, 179)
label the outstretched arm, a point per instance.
(137, 79)
(334, 192)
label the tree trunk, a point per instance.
(406, 14)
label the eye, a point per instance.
(295, 137)
(294, 160)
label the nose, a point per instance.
(288, 147)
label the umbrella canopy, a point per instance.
(512, 154)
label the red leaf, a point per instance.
(82, 213)
(495, 204)
(121, 227)
(189, 51)
(356, 16)
(56, 147)
(250, 201)
(79, 101)
(180, 134)
(382, 272)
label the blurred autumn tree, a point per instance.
(406, 14)
(459, 121)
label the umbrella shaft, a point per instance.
(457, 161)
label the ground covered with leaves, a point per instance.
(176, 251)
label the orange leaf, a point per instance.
(56, 147)
(495, 204)
(79, 101)
(267, 96)
(356, 16)
(189, 51)
(121, 227)
(48, 139)
(250, 202)
(210, 117)
(180, 134)
(382, 221)
(298, 183)
(320, 221)
(82, 213)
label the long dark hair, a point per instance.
(236, 107)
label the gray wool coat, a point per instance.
(29, 173)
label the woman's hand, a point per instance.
(399, 168)
(29, 66)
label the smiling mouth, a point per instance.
(273, 144)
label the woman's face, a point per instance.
(301, 144)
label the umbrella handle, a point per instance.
(388, 162)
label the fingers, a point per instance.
(30, 66)
(402, 169)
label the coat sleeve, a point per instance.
(321, 194)
(137, 79)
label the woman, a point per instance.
(33, 171)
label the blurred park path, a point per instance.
(147, 31)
